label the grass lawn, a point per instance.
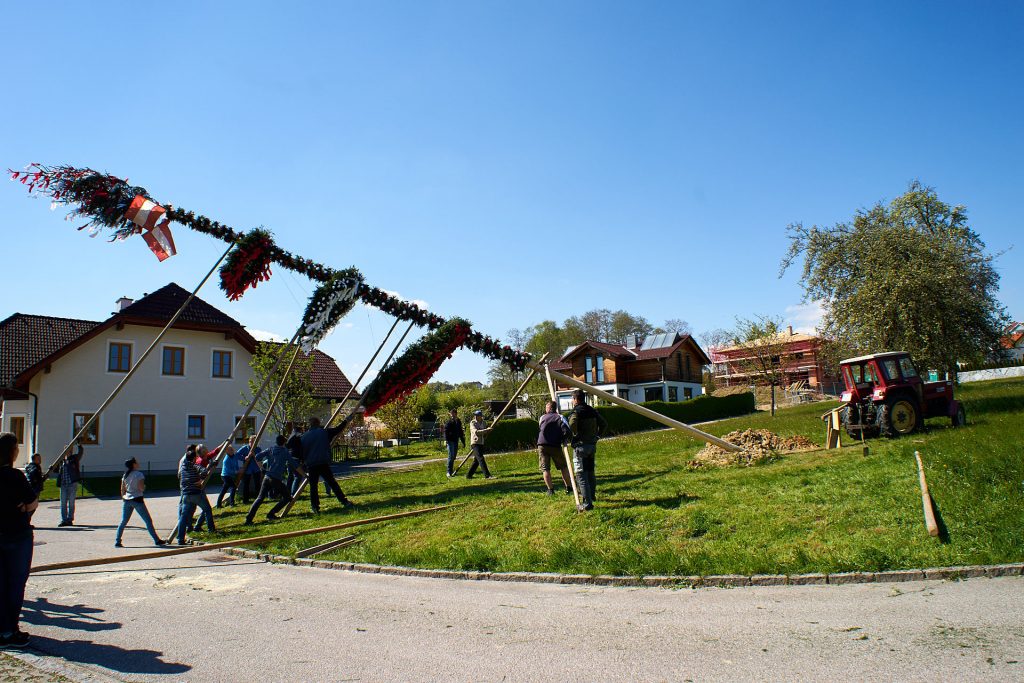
(824, 511)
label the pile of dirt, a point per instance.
(759, 445)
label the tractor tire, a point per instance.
(847, 416)
(898, 417)
(960, 418)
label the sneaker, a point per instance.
(64, 522)
(549, 492)
(451, 474)
(469, 476)
(159, 542)
(588, 506)
(15, 641)
(347, 504)
(272, 517)
(488, 476)
(568, 492)
(117, 544)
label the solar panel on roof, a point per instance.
(658, 341)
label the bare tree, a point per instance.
(762, 350)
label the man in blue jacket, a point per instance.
(275, 462)
(316, 452)
(228, 475)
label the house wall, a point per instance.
(78, 382)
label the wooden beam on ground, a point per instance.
(336, 544)
(926, 500)
(257, 540)
(640, 410)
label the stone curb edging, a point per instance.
(718, 581)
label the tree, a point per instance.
(297, 401)
(401, 416)
(764, 353)
(677, 325)
(910, 276)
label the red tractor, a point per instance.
(885, 395)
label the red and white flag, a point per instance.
(160, 241)
(144, 213)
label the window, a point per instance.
(196, 426)
(590, 370)
(141, 430)
(673, 394)
(18, 428)
(624, 393)
(687, 392)
(908, 368)
(119, 357)
(92, 437)
(599, 364)
(222, 364)
(174, 361)
(248, 429)
(654, 393)
(889, 369)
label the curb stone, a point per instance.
(656, 581)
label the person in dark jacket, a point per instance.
(34, 474)
(554, 433)
(191, 480)
(275, 462)
(587, 426)
(316, 451)
(17, 503)
(294, 446)
(69, 473)
(453, 435)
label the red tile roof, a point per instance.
(329, 382)
(28, 339)
(164, 302)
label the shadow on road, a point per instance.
(42, 612)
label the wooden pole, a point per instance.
(117, 559)
(324, 547)
(504, 410)
(926, 500)
(305, 480)
(351, 389)
(565, 449)
(124, 380)
(646, 412)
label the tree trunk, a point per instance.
(773, 399)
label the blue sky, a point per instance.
(507, 162)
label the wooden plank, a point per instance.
(926, 500)
(117, 559)
(324, 547)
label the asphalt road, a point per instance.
(207, 617)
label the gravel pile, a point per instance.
(759, 445)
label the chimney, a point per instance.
(630, 341)
(123, 303)
(790, 330)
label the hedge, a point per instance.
(515, 434)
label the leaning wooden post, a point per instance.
(565, 449)
(504, 410)
(352, 388)
(646, 412)
(124, 380)
(926, 500)
(305, 480)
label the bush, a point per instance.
(516, 434)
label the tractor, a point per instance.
(885, 395)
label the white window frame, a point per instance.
(206, 423)
(156, 429)
(106, 359)
(184, 360)
(234, 358)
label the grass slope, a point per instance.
(825, 511)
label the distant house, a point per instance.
(663, 367)
(1012, 341)
(55, 371)
(801, 361)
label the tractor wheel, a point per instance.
(960, 418)
(898, 417)
(847, 416)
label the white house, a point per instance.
(55, 371)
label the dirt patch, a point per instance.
(759, 445)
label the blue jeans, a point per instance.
(15, 560)
(453, 451)
(138, 506)
(187, 508)
(67, 501)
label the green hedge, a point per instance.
(516, 434)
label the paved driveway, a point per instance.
(206, 617)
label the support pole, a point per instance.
(305, 480)
(926, 500)
(156, 554)
(352, 388)
(565, 449)
(640, 410)
(504, 410)
(124, 380)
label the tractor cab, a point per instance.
(885, 394)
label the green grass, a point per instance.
(823, 511)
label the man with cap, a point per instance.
(477, 437)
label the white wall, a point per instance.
(79, 382)
(994, 373)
